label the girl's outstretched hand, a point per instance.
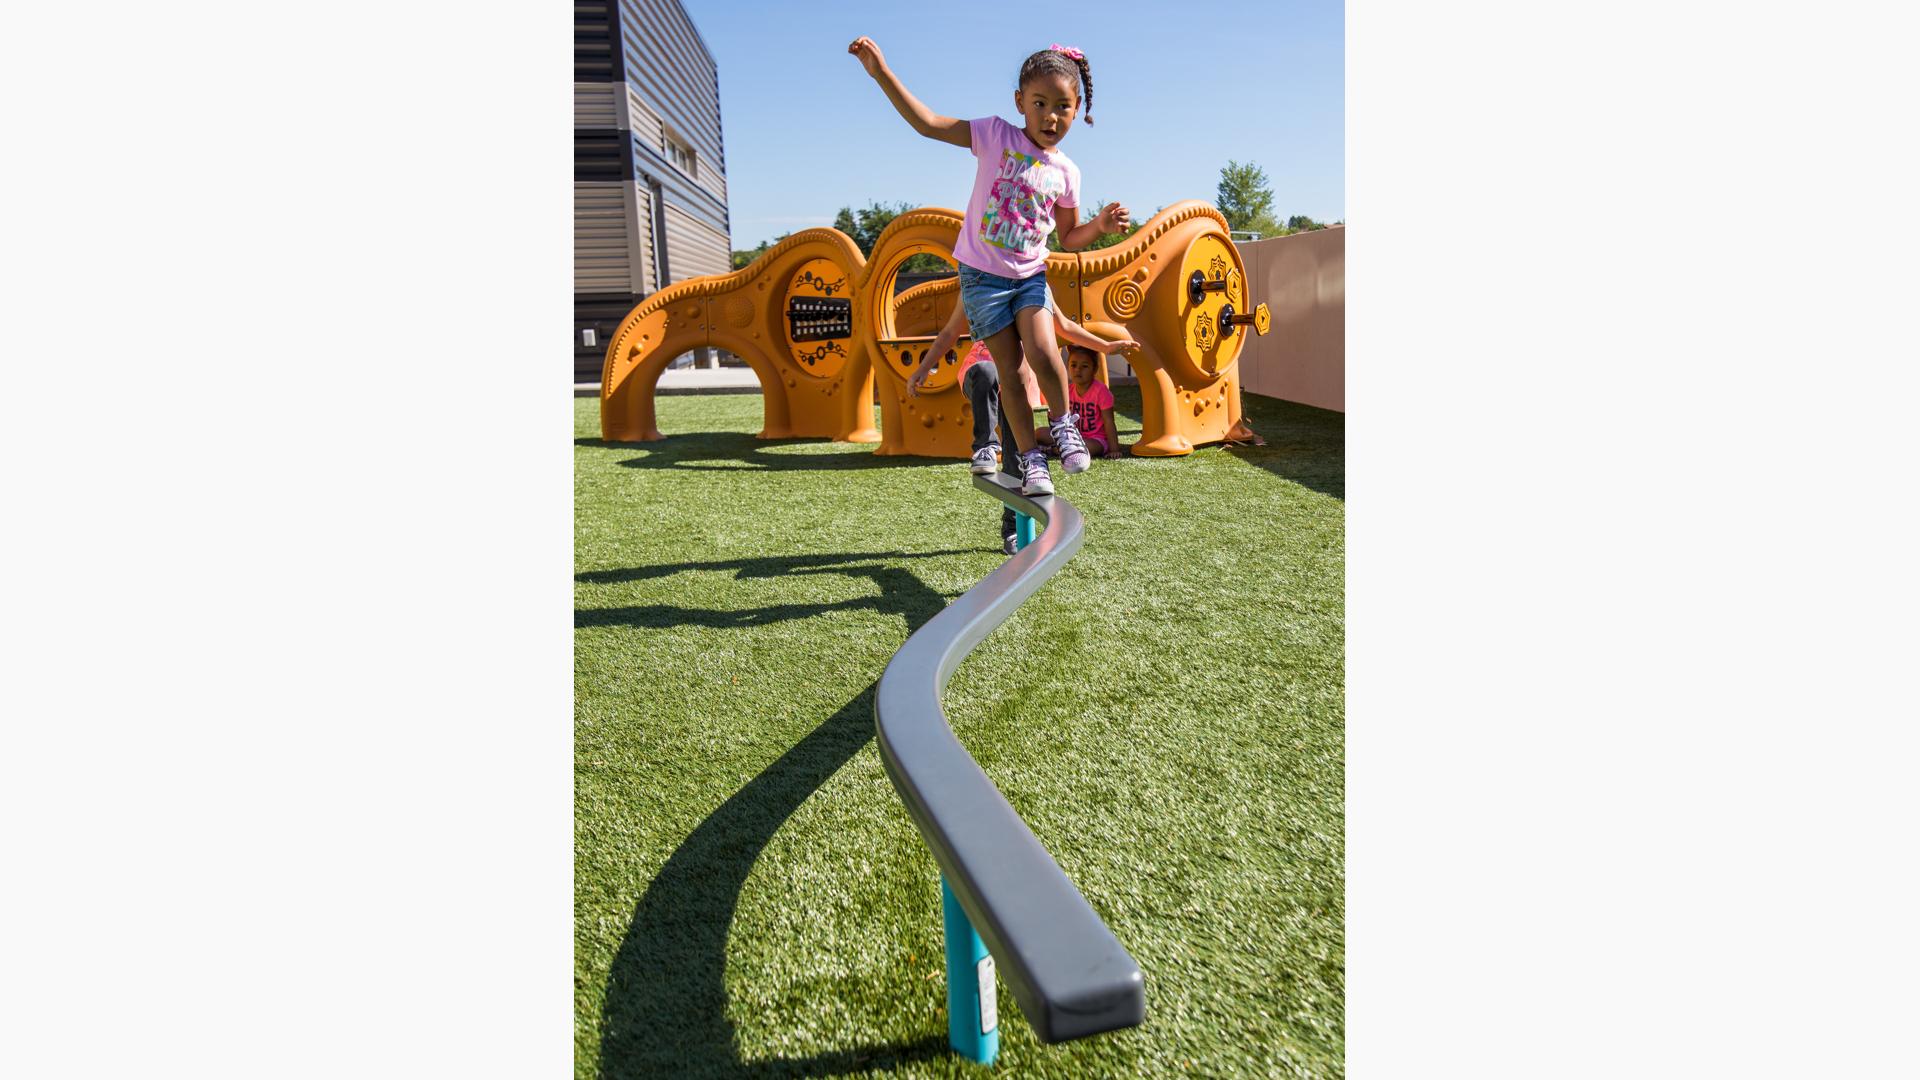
(1112, 218)
(919, 380)
(868, 54)
(1125, 344)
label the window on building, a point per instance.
(679, 153)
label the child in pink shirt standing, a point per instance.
(1024, 188)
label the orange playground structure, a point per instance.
(815, 321)
(788, 315)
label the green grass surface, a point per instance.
(1166, 713)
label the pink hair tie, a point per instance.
(1068, 50)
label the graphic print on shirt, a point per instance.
(1087, 411)
(1019, 211)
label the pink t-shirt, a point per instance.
(1016, 185)
(1093, 424)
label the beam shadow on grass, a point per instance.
(665, 1012)
(765, 566)
(721, 451)
(900, 592)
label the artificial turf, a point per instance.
(1166, 714)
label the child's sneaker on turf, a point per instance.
(1073, 448)
(1008, 545)
(985, 460)
(1035, 481)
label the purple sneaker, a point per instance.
(1035, 481)
(1073, 448)
(986, 460)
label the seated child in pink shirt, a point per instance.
(982, 386)
(1091, 402)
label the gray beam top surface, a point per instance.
(1071, 976)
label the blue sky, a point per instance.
(1174, 97)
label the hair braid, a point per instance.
(1086, 84)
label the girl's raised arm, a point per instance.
(1075, 334)
(1074, 234)
(942, 341)
(918, 116)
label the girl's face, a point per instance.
(1080, 365)
(1048, 102)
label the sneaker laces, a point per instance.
(1066, 435)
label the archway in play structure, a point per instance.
(789, 315)
(937, 422)
(896, 331)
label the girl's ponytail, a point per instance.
(1086, 83)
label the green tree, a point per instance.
(1244, 196)
(1303, 223)
(874, 219)
(742, 258)
(865, 225)
(1267, 227)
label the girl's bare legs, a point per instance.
(1043, 352)
(1004, 347)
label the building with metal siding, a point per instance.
(649, 164)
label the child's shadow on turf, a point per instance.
(737, 451)
(665, 1011)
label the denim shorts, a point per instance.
(991, 300)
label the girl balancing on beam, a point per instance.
(1024, 188)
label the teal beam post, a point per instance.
(1022, 531)
(973, 1023)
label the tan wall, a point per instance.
(602, 250)
(678, 87)
(593, 106)
(694, 248)
(1303, 281)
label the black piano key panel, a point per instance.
(818, 318)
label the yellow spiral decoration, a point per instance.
(1124, 298)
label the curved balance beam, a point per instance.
(1071, 976)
